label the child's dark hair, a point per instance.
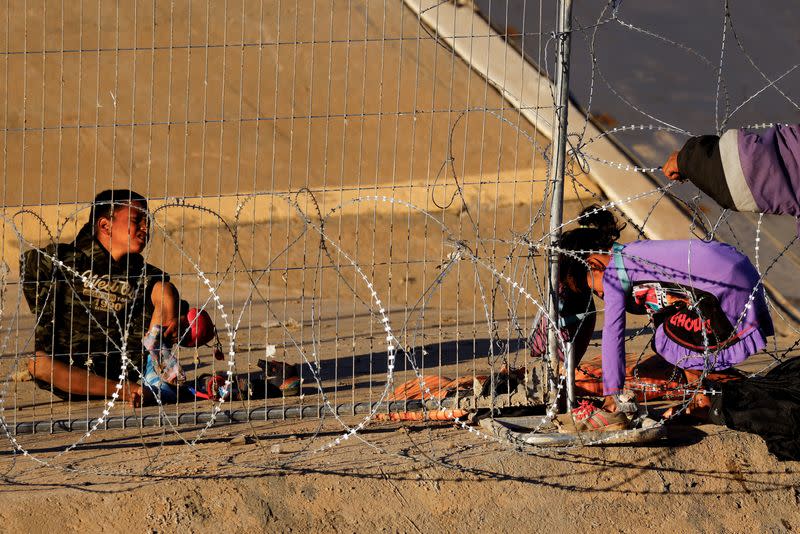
(598, 231)
(106, 202)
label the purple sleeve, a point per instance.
(613, 346)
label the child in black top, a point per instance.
(94, 298)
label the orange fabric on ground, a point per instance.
(439, 386)
(652, 371)
(431, 415)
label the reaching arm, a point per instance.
(699, 161)
(166, 308)
(613, 344)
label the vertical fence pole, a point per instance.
(570, 364)
(563, 38)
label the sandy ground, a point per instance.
(406, 479)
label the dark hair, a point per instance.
(105, 203)
(598, 230)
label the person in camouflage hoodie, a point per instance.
(94, 298)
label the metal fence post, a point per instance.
(563, 38)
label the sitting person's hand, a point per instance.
(169, 330)
(132, 394)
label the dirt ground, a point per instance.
(407, 478)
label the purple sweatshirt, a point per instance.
(770, 166)
(747, 171)
(716, 268)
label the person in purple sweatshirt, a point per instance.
(744, 171)
(705, 300)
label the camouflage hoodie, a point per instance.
(77, 318)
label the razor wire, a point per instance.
(503, 290)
